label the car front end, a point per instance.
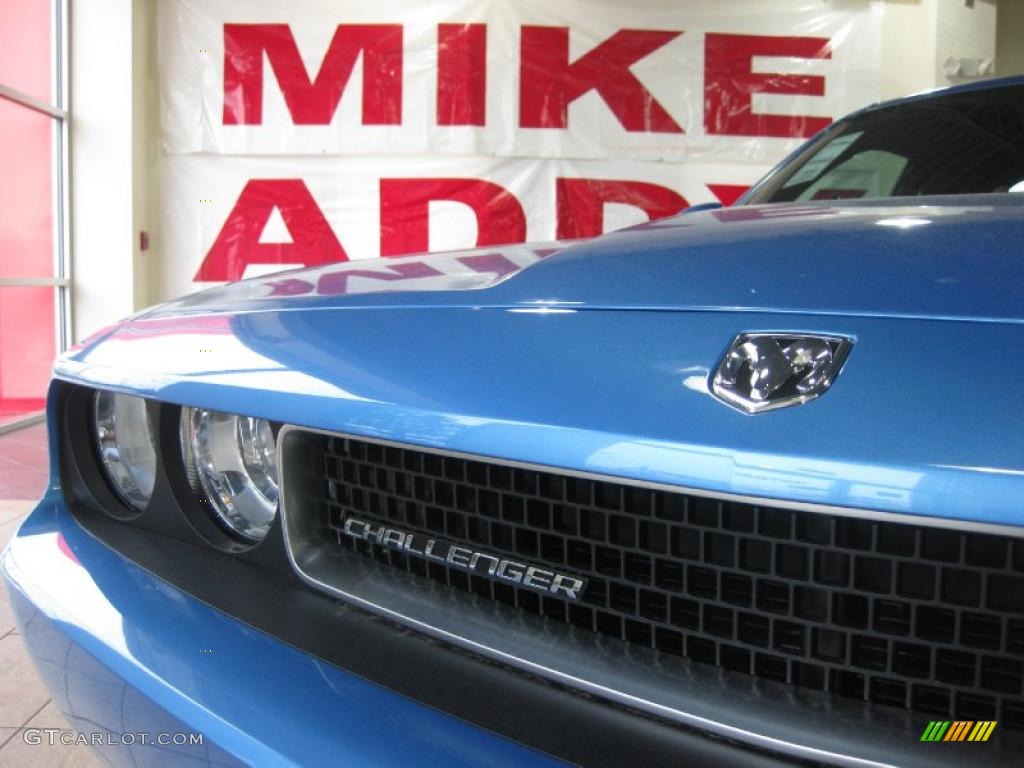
(737, 487)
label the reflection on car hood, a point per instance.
(951, 257)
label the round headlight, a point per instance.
(232, 462)
(126, 446)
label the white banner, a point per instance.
(394, 126)
(231, 217)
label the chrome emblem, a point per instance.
(765, 371)
(465, 559)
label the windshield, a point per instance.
(957, 144)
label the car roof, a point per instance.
(977, 85)
(991, 84)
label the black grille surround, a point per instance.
(917, 617)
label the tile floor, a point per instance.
(13, 409)
(24, 462)
(24, 702)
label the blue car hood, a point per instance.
(523, 353)
(955, 258)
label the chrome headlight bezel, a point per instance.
(231, 463)
(125, 443)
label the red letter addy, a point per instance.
(404, 207)
(580, 203)
(238, 244)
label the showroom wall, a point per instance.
(1009, 34)
(113, 159)
(222, 190)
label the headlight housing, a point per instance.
(124, 438)
(231, 461)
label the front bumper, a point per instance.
(123, 652)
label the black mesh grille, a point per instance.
(916, 617)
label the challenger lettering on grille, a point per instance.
(477, 563)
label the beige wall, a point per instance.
(101, 168)
(918, 36)
(908, 46)
(145, 133)
(113, 138)
(1010, 38)
(963, 32)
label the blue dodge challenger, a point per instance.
(744, 486)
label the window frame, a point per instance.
(60, 171)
